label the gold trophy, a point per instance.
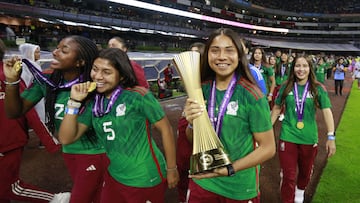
(208, 151)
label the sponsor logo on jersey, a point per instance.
(2, 95)
(91, 168)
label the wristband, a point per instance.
(231, 171)
(270, 94)
(73, 103)
(331, 137)
(75, 100)
(71, 111)
(12, 83)
(172, 169)
(190, 126)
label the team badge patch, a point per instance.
(232, 108)
(120, 110)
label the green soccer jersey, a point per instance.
(82, 146)
(246, 113)
(280, 79)
(135, 159)
(320, 72)
(309, 134)
(266, 73)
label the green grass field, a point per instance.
(340, 181)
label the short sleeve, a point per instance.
(35, 93)
(278, 97)
(324, 100)
(152, 108)
(259, 116)
(85, 116)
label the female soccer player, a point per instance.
(122, 115)
(301, 95)
(241, 118)
(85, 159)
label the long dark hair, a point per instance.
(243, 69)
(279, 65)
(120, 61)
(86, 53)
(2, 50)
(263, 57)
(313, 83)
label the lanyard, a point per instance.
(217, 122)
(300, 104)
(98, 109)
(40, 77)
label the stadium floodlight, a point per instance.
(177, 12)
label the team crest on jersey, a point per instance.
(232, 108)
(309, 95)
(120, 110)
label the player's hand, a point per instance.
(330, 147)
(80, 91)
(172, 178)
(192, 110)
(269, 98)
(10, 72)
(215, 173)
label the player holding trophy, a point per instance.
(239, 114)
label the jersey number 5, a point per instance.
(107, 129)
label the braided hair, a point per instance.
(87, 52)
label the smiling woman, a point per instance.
(298, 145)
(72, 61)
(120, 115)
(239, 113)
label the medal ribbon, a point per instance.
(300, 104)
(283, 68)
(217, 122)
(98, 109)
(41, 78)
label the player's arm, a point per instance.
(168, 141)
(264, 151)
(329, 122)
(272, 87)
(15, 106)
(275, 112)
(70, 130)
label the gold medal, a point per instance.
(92, 86)
(300, 125)
(17, 66)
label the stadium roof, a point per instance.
(304, 45)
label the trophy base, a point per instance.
(207, 161)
